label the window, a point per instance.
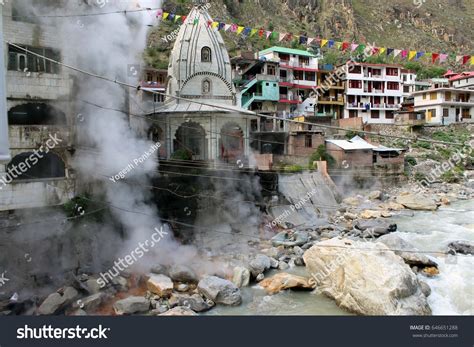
(206, 86)
(271, 70)
(18, 60)
(392, 71)
(433, 96)
(310, 76)
(308, 141)
(206, 56)
(352, 114)
(424, 96)
(376, 72)
(465, 113)
(299, 75)
(406, 89)
(355, 84)
(158, 98)
(432, 112)
(388, 114)
(445, 112)
(357, 69)
(304, 61)
(375, 114)
(284, 57)
(447, 96)
(267, 84)
(393, 86)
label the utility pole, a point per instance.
(4, 146)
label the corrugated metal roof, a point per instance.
(349, 145)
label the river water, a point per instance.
(452, 289)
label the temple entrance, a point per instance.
(190, 142)
(231, 144)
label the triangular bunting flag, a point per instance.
(472, 60)
(443, 57)
(233, 28)
(215, 25)
(354, 47)
(412, 55)
(240, 29)
(434, 57)
(382, 50)
(345, 45)
(159, 13)
(375, 50)
(165, 15)
(246, 31)
(268, 34)
(465, 59)
(419, 55)
(261, 32)
(311, 40)
(275, 35)
(183, 18)
(338, 44)
(404, 54)
(303, 40)
(196, 21)
(330, 43)
(282, 37)
(253, 32)
(227, 27)
(176, 18)
(221, 26)
(458, 58)
(323, 42)
(389, 51)
(171, 16)
(396, 52)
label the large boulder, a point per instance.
(57, 301)
(259, 264)
(132, 304)
(407, 251)
(220, 291)
(241, 276)
(283, 281)
(160, 285)
(365, 278)
(417, 202)
(90, 303)
(195, 302)
(182, 273)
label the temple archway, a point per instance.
(190, 139)
(36, 166)
(36, 114)
(231, 144)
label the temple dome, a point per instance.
(199, 66)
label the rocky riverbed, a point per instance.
(354, 259)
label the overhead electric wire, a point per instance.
(222, 107)
(125, 11)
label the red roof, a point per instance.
(450, 73)
(462, 75)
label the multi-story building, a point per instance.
(373, 91)
(329, 96)
(39, 108)
(297, 77)
(443, 106)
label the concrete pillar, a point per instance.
(4, 145)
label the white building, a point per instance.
(373, 91)
(200, 70)
(443, 106)
(38, 105)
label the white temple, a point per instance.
(200, 70)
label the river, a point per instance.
(452, 289)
